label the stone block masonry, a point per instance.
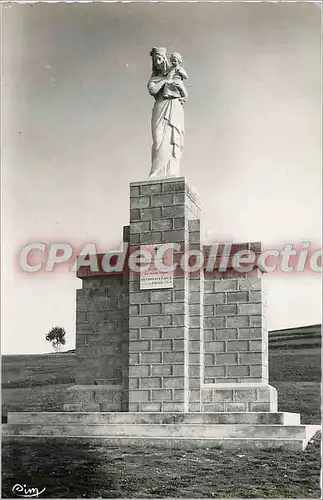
(236, 345)
(159, 346)
(200, 345)
(236, 337)
(102, 330)
(196, 329)
(239, 398)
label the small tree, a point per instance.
(57, 337)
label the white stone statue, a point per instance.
(167, 122)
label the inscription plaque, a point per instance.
(156, 276)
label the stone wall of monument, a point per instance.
(239, 398)
(236, 344)
(195, 313)
(235, 333)
(102, 330)
(160, 351)
(199, 346)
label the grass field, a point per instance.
(72, 469)
(36, 370)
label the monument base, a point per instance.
(239, 397)
(228, 430)
(90, 398)
(184, 366)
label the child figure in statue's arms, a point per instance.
(175, 87)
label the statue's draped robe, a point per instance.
(167, 124)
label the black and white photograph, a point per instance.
(161, 277)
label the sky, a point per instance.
(76, 131)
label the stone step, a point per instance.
(182, 443)
(202, 431)
(154, 418)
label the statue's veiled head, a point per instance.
(160, 62)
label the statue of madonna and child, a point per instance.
(167, 122)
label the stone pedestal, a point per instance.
(183, 366)
(201, 345)
(159, 319)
